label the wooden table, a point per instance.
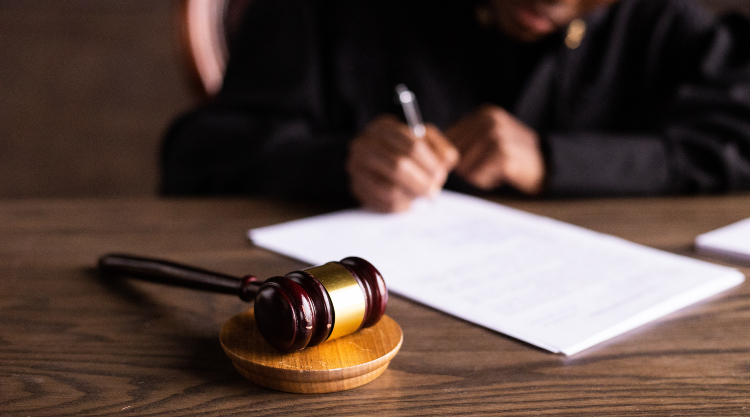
(72, 343)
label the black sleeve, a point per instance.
(701, 142)
(267, 131)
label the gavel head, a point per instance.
(308, 307)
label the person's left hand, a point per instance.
(496, 148)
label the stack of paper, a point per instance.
(558, 286)
(731, 241)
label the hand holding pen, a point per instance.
(391, 163)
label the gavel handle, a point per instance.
(172, 273)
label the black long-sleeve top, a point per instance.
(655, 100)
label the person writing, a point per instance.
(542, 97)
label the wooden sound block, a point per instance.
(335, 365)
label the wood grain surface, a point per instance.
(73, 343)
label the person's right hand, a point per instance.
(389, 166)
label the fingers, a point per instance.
(391, 151)
(389, 166)
(526, 169)
(434, 153)
(483, 165)
(379, 194)
(497, 148)
(478, 137)
(394, 168)
(447, 154)
(464, 133)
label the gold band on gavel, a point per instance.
(347, 298)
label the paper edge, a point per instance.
(660, 310)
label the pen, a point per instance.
(411, 110)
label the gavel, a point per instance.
(300, 309)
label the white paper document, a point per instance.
(557, 286)
(731, 241)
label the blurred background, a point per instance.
(88, 88)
